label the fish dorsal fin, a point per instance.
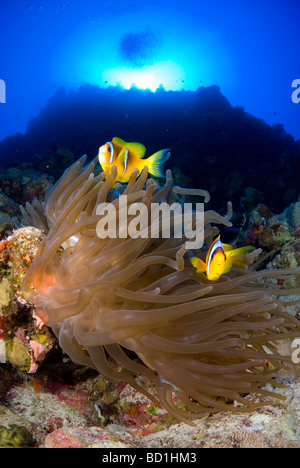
(227, 247)
(137, 148)
(118, 143)
(240, 251)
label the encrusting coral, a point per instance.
(203, 344)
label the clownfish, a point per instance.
(220, 259)
(129, 156)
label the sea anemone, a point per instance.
(136, 306)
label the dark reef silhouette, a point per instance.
(215, 146)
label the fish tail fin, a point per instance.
(199, 264)
(156, 161)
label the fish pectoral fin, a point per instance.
(137, 148)
(198, 264)
(156, 161)
(227, 265)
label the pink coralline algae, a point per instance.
(80, 437)
(62, 439)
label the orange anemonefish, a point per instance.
(129, 156)
(220, 259)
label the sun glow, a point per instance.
(169, 75)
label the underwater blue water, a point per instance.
(250, 49)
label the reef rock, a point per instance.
(24, 341)
(6, 224)
(269, 231)
(19, 184)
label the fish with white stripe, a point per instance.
(129, 156)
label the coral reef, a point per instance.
(19, 184)
(269, 231)
(59, 412)
(231, 149)
(278, 236)
(24, 341)
(202, 344)
(247, 439)
(9, 213)
(48, 401)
